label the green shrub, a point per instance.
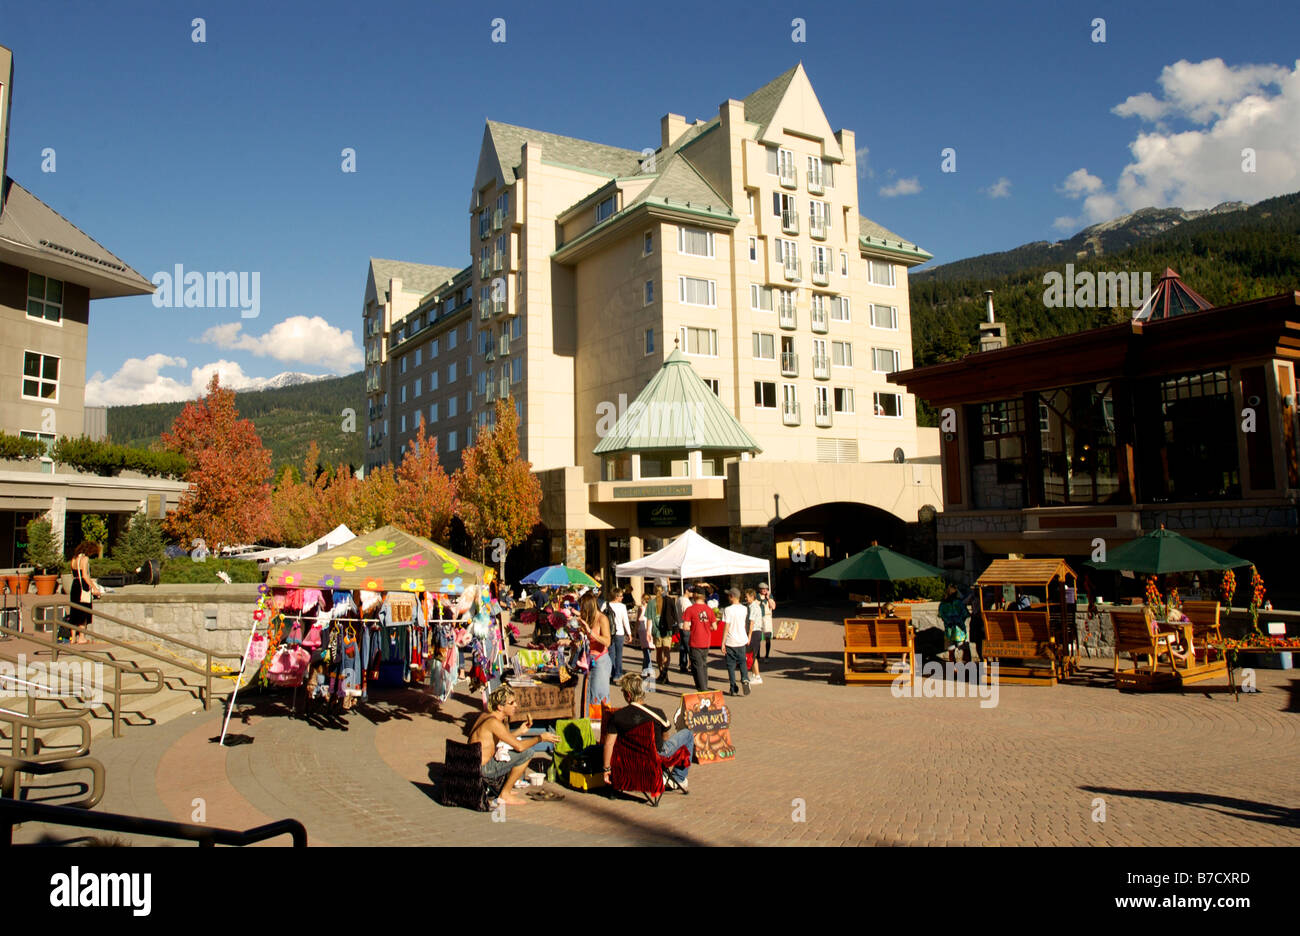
(110, 459)
(43, 553)
(100, 567)
(927, 589)
(16, 448)
(141, 541)
(185, 571)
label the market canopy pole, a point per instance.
(230, 707)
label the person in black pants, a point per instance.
(702, 622)
(669, 624)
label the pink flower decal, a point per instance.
(413, 562)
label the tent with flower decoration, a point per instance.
(386, 560)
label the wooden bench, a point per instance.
(1023, 636)
(1152, 650)
(878, 638)
(1204, 617)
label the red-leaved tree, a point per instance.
(229, 496)
(426, 499)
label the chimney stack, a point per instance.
(993, 334)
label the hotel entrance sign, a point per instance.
(653, 490)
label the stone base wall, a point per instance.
(218, 617)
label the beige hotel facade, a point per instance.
(735, 251)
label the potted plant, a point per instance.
(44, 555)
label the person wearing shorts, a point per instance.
(755, 634)
(766, 606)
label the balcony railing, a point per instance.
(790, 414)
(498, 306)
(484, 230)
(503, 387)
(498, 219)
(505, 345)
(822, 415)
(821, 367)
(789, 177)
(490, 354)
(790, 222)
(793, 267)
(498, 262)
(484, 268)
(789, 364)
(815, 184)
(490, 393)
(819, 320)
(821, 273)
(787, 315)
(819, 226)
(484, 311)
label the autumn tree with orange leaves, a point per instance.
(426, 499)
(229, 496)
(500, 497)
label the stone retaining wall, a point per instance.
(218, 617)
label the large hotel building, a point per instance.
(698, 336)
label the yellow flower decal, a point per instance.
(381, 547)
(349, 563)
(413, 585)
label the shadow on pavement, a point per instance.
(1224, 805)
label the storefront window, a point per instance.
(1187, 441)
(617, 467)
(1077, 434)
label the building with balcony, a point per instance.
(730, 252)
(1185, 417)
(50, 272)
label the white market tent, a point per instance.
(335, 537)
(691, 556)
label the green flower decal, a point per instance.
(349, 563)
(381, 547)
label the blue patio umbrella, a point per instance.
(558, 576)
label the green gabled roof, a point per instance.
(676, 410)
(874, 236)
(680, 182)
(507, 140)
(420, 278)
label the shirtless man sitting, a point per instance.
(492, 732)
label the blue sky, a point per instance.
(225, 155)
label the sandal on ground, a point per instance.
(544, 796)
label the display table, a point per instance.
(547, 700)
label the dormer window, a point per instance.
(604, 209)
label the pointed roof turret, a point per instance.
(1171, 297)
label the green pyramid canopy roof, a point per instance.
(677, 410)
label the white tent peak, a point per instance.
(692, 556)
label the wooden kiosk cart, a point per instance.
(1041, 641)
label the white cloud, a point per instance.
(908, 186)
(999, 189)
(1066, 223)
(863, 154)
(298, 339)
(1231, 109)
(139, 380)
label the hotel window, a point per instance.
(701, 341)
(699, 292)
(418, 390)
(469, 331)
(884, 360)
(617, 467)
(47, 463)
(771, 161)
(516, 370)
(451, 372)
(789, 398)
(649, 341)
(749, 201)
(433, 381)
(1080, 458)
(880, 273)
(765, 394)
(785, 162)
(433, 349)
(433, 413)
(712, 384)
(783, 204)
(819, 214)
(401, 423)
(44, 297)
(401, 394)
(844, 264)
(694, 242)
(516, 328)
(483, 380)
(674, 463)
(884, 317)
(482, 224)
(482, 342)
(469, 400)
(469, 295)
(841, 354)
(451, 340)
(764, 347)
(649, 292)
(451, 441)
(760, 297)
(503, 202)
(753, 250)
(1001, 433)
(1191, 450)
(419, 354)
(453, 406)
(469, 363)
(888, 404)
(604, 209)
(840, 310)
(401, 367)
(648, 244)
(844, 399)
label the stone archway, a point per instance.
(826, 533)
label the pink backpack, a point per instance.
(289, 666)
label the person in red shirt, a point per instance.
(700, 618)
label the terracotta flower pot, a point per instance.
(11, 583)
(46, 584)
(23, 582)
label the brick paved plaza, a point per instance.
(868, 768)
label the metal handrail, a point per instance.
(11, 767)
(209, 654)
(117, 666)
(23, 744)
(13, 811)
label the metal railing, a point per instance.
(118, 667)
(790, 414)
(815, 184)
(498, 219)
(789, 364)
(787, 316)
(819, 226)
(788, 175)
(13, 812)
(793, 269)
(819, 320)
(822, 415)
(821, 367)
(790, 222)
(821, 273)
(209, 655)
(23, 729)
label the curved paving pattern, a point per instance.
(818, 764)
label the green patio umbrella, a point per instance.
(877, 564)
(1163, 551)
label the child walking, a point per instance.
(755, 624)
